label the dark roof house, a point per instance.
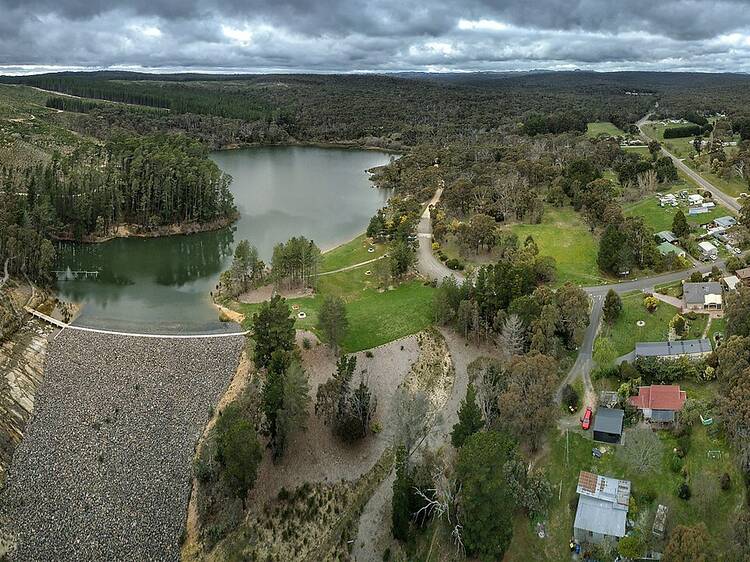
(673, 349)
(608, 425)
(702, 295)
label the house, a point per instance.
(669, 200)
(602, 508)
(608, 425)
(659, 403)
(730, 282)
(666, 248)
(725, 222)
(708, 205)
(743, 275)
(701, 296)
(708, 251)
(692, 349)
(695, 199)
(667, 236)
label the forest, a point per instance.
(145, 182)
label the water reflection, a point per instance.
(164, 283)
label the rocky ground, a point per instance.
(104, 470)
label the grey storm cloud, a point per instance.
(374, 35)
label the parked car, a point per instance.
(586, 419)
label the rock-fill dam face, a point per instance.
(104, 470)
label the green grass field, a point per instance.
(660, 218)
(565, 236)
(350, 253)
(625, 332)
(375, 316)
(568, 456)
(603, 128)
(681, 147)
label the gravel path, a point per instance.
(104, 470)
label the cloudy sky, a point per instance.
(374, 35)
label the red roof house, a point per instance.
(659, 402)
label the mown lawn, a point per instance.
(565, 236)
(350, 253)
(603, 128)
(374, 317)
(625, 332)
(660, 218)
(571, 453)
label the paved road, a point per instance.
(427, 263)
(718, 195)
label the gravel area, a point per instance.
(104, 470)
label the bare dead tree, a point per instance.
(642, 450)
(441, 502)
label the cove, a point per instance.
(162, 285)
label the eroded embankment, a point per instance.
(21, 373)
(104, 470)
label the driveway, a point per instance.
(427, 263)
(585, 360)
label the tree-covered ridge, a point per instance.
(146, 181)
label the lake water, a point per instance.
(162, 285)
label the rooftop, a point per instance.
(743, 273)
(726, 221)
(659, 397)
(707, 246)
(731, 281)
(602, 504)
(609, 420)
(672, 348)
(695, 293)
(667, 236)
(665, 248)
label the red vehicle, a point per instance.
(586, 419)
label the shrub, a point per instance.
(453, 263)
(683, 491)
(651, 303)
(725, 481)
(306, 344)
(369, 354)
(675, 464)
(570, 397)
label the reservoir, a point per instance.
(162, 285)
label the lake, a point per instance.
(162, 285)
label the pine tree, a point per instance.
(612, 307)
(680, 226)
(611, 250)
(273, 330)
(332, 320)
(469, 418)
